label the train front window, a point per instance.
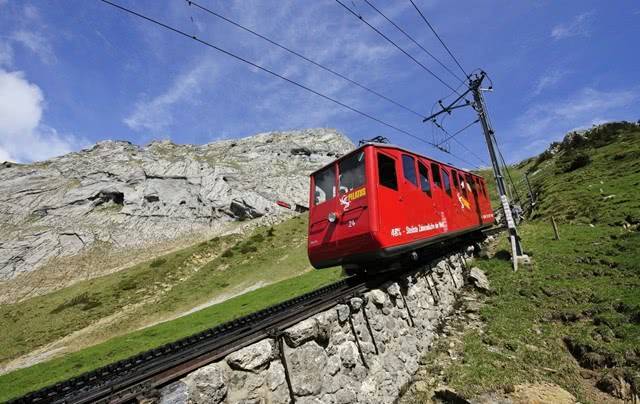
(325, 185)
(423, 173)
(387, 172)
(351, 172)
(409, 169)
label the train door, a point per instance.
(412, 197)
(474, 199)
(353, 223)
(456, 197)
(453, 218)
(431, 218)
(465, 200)
(441, 198)
(324, 205)
(391, 215)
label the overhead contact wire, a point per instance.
(414, 41)
(210, 45)
(361, 18)
(438, 36)
(313, 62)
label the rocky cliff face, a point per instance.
(122, 196)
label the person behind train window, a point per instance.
(351, 172)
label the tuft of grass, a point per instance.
(84, 301)
(158, 262)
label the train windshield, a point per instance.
(351, 170)
(325, 185)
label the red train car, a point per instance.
(381, 201)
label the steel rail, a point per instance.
(127, 379)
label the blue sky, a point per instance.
(76, 72)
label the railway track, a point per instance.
(130, 378)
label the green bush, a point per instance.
(157, 262)
(228, 253)
(248, 248)
(127, 284)
(577, 161)
(84, 300)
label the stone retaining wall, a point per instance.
(335, 356)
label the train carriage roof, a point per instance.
(392, 146)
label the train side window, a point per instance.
(387, 172)
(325, 185)
(471, 183)
(454, 175)
(409, 169)
(435, 171)
(351, 172)
(464, 183)
(446, 182)
(423, 173)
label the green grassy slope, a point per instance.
(574, 318)
(24, 380)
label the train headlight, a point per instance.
(332, 217)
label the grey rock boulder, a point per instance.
(207, 385)
(254, 357)
(302, 332)
(479, 280)
(305, 367)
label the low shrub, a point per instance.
(158, 262)
(578, 161)
(86, 301)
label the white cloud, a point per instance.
(37, 43)
(548, 80)
(156, 114)
(23, 136)
(578, 26)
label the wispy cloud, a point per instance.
(583, 108)
(156, 114)
(6, 54)
(547, 80)
(580, 25)
(36, 43)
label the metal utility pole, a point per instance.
(480, 107)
